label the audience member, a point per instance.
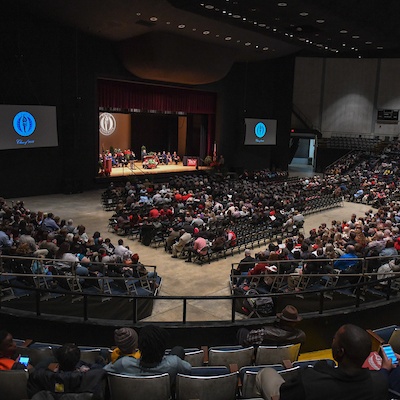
(350, 347)
(283, 331)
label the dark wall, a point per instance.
(45, 63)
(255, 90)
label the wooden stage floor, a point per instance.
(138, 170)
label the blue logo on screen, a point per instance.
(24, 123)
(260, 130)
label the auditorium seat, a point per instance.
(247, 376)
(126, 387)
(13, 384)
(228, 355)
(36, 354)
(219, 387)
(276, 354)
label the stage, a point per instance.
(138, 170)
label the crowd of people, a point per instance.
(64, 247)
(146, 354)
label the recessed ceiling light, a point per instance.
(343, 31)
(181, 26)
(236, 16)
(230, 14)
(274, 29)
(304, 14)
(168, 23)
(206, 32)
(209, 6)
(257, 46)
(344, 44)
(379, 47)
(223, 11)
(228, 38)
(238, 41)
(262, 25)
(194, 29)
(282, 4)
(247, 44)
(244, 18)
(356, 37)
(153, 19)
(255, 22)
(265, 48)
(138, 14)
(320, 21)
(216, 35)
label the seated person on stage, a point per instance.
(350, 347)
(8, 357)
(152, 346)
(69, 376)
(175, 158)
(281, 333)
(199, 248)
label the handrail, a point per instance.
(367, 278)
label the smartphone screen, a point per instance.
(24, 360)
(387, 348)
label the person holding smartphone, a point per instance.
(8, 358)
(390, 363)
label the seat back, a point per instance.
(36, 355)
(276, 354)
(195, 358)
(153, 387)
(230, 355)
(222, 387)
(13, 384)
(90, 356)
(248, 378)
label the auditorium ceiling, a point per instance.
(236, 30)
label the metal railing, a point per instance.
(365, 280)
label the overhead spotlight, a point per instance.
(138, 14)
(206, 32)
(153, 19)
(343, 31)
(282, 4)
(209, 6)
(368, 42)
(320, 21)
(262, 25)
(379, 47)
(247, 44)
(303, 14)
(223, 11)
(181, 26)
(236, 16)
(194, 29)
(356, 37)
(244, 18)
(217, 35)
(265, 48)
(228, 38)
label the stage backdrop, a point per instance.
(114, 131)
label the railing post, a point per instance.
(321, 302)
(37, 298)
(134, 303)
(85, 307)
(184, 311)
(233, 309)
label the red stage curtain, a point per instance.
(127, 96)
(130, 96)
